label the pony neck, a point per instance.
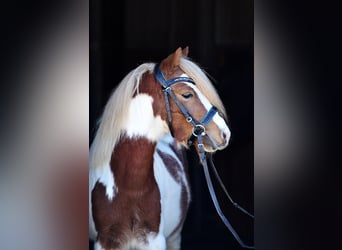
(132, 163)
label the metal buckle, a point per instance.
(167, 89)
(202, 130)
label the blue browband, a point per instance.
(167, 83)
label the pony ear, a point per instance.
(176, 57)
(171, 63)
(186, 51)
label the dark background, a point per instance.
(301, 41)
(124, 34)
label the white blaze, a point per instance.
(217, 119)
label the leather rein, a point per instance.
(198, 131)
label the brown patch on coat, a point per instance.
(171, 165)
(135, 210)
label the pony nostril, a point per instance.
(225, 136)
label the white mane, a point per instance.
(114, 117)
(202, 82)
(115, 113)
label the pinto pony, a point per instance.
(139, 188)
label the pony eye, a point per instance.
(187, 95)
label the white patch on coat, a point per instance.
(105, 176)
(156, 242)
(164, 145)
(97, 246)
(141, 120)
(170, 190)
(153, 241)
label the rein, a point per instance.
(198, 131)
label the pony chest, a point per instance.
(129, 216)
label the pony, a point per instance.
(139, 190)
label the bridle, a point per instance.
(198, 127)
(198, 131)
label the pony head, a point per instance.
(196, 98)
